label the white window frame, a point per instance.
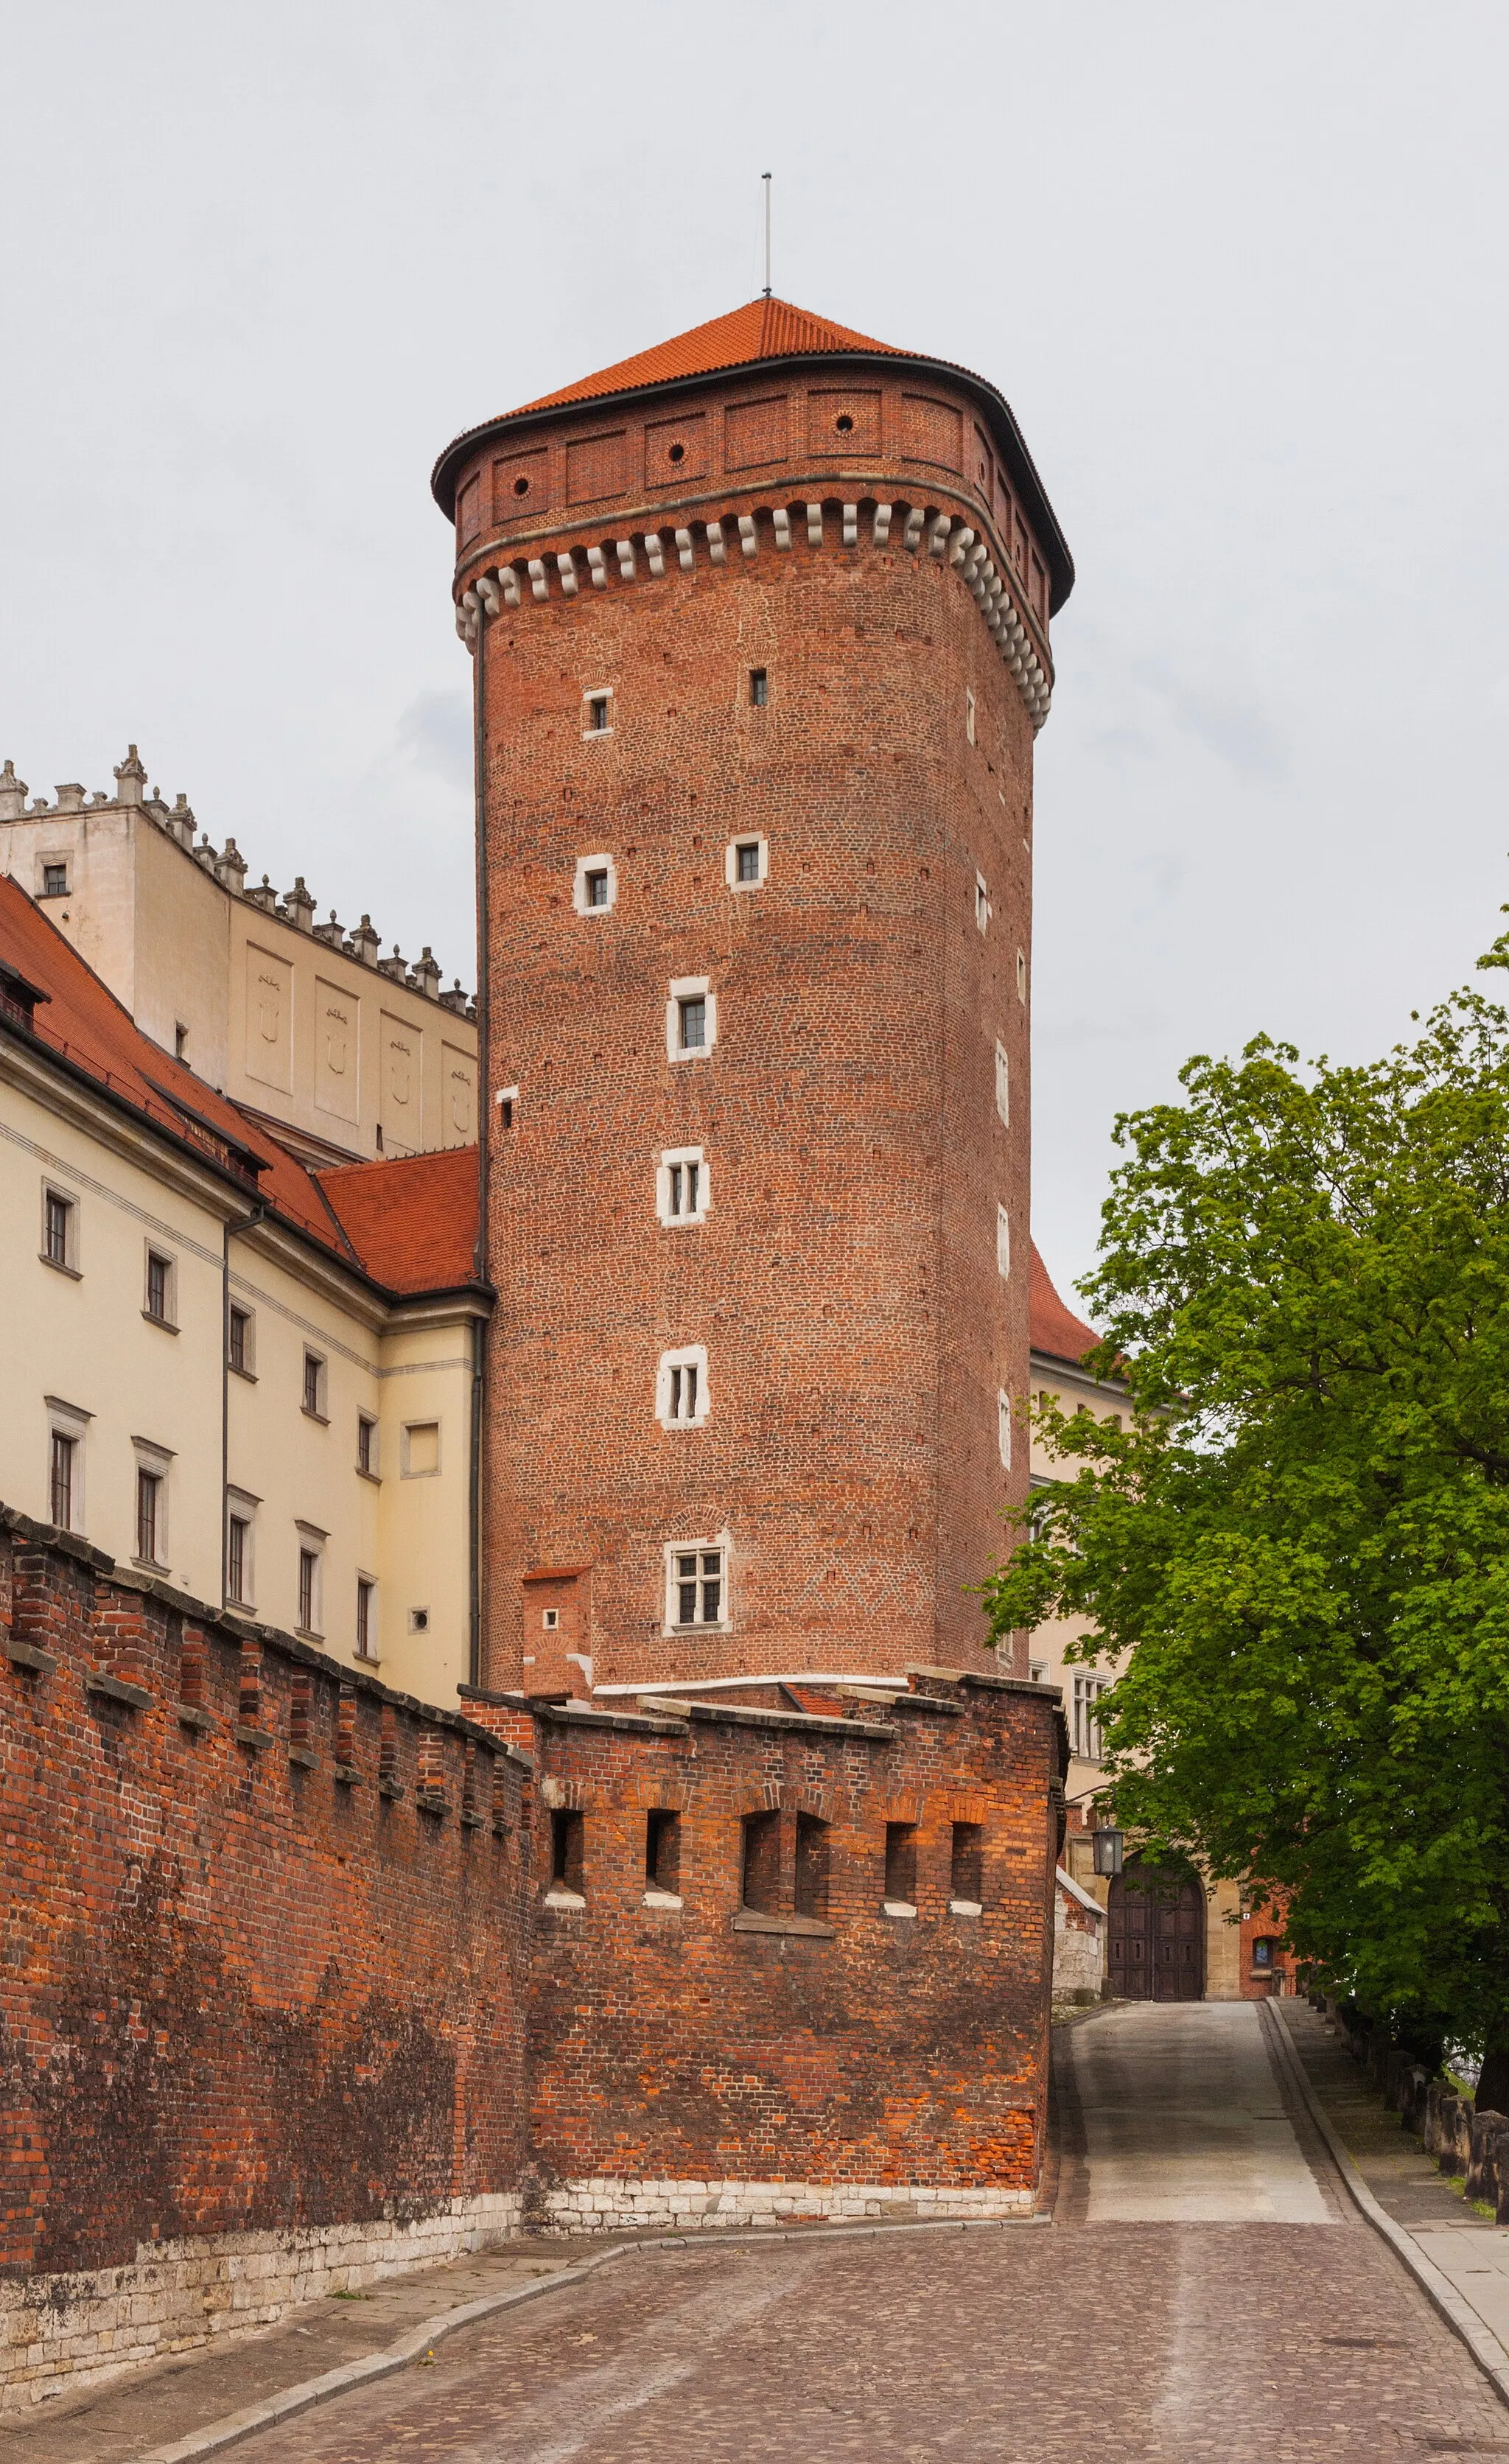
(1021, 978)
(687, 1356)
(982, 903)
(319, 1409)
(730, 860)
(590, 864)
(969, 715)
(1037, 1672)
(685, 988)
(241, 1508)
(309, 1536)
(372, 1469)
(50, 856)
(168, 1321)
(674, 1548)
(1003, 1427)
(1003, 1243)
(148, 1456)
(407, 1471)
(595, 693)
(1003, 1084)
(69, 1264)
(682, 1156)
(247, 1369)
(68, 1420)
(370, 1658)
(1090, 1746)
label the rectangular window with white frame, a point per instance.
(597, 710)
(66, 1428)
(152, 1467)
(681, 1400)
(366, 1618)
(982, 902)
(745, 862)
(310, 1581)
(1003, 1427)
(312, 1395)
(692, 1019)
(1002, 1084)
(52, 876)
(160, 1288)
(1088, 1742)
(59, 1228)
(241, 1548)
(1002, 1242)
(596, 888)
(366, 1446)
(698, 1585)
(241, 1341)
(683, 1188)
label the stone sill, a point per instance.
(26, 1655)
(120, 1690)
(246, 1735)
(347, 1775)
(897, 1908)
(966, 1908)
(654, 1899)
(305, 1760)
(755, 1920)
(474, 1823)
(572, 1900)
(190, 1716)
(391, 1789)
(433, 1800)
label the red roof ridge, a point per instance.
(763, 329)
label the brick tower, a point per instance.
(760, 623)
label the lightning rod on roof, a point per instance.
(765, 176)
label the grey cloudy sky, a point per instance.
(1241, 273)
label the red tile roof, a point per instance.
(413, 1219)
(80, 1020)
(1056, 1331)
(766, 329)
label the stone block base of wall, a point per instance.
(58, 2331)
(602, 2204)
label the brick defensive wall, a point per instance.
(306, 1983)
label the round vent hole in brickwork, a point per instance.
(844, 422)
(677, 453)
(521, 487)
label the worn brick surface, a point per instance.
(845, 1284)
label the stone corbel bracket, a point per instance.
(918, 530)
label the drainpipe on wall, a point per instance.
(245, 1226)
(479, 1330)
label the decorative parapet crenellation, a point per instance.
(919, 530)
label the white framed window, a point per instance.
(683, 1187)
(366, 1618)
(692, 1019)
(312, 1393)
(597, 710)
(152, 1465)
(745, 862)
(969, 715)
(53, 875)
(982, 903)
(1022, 977)
(1003, 1425)
(597, 885)
(241, 1548)
(160, 1288)
(59, 1228)
(241, 1340)
(1002, 1084)
(1036, 1672)
(419, 1450)
(67, 1427)
(1002, 1242)
(1088, 1742)
(366, 1446)
(698, 1585)
(682, 1401)
(310, 1580)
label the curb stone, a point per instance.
(1484, 2346)
(232, 2427)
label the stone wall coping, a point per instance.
(744, 1715)
(986, 1680)
(576, 1715)
(925, 1703)
(235, 1628)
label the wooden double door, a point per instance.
(1156, 1951)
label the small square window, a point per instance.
(596, 888)
(599, 706)
(692, 1019)
(55, 881)
(746, 863)
(314, 1393)
(760, 687)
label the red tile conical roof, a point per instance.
(1056, 1331)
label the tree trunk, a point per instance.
(1493, 2087)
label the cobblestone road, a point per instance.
(1099, 2340)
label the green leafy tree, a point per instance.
(1302, 1535)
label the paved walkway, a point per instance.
(1207, 2295)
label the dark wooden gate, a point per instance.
(1156, 1946)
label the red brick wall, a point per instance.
(669, 2045)
(845, 1284)
(234, 1993)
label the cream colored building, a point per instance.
(302, 1023)
(1060, 1344)
(243, 1377)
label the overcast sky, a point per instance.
(1241, 273)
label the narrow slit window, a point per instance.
(158, 1272)
(366, 1446)
(597, 888)
(60, 1481)
(760, 687)
(900, 1864)
(810, 1877)
(567, 1851)
(684, 1392)
(748, 860)
(662, 1850)
(760, 1862)
(598, 708)
(148, 1516)
(239, 1347)
(308, 1590)
(59, 1229)
(236, 1560)
(313, 1385)
(366, 1629)
(966, 1865)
